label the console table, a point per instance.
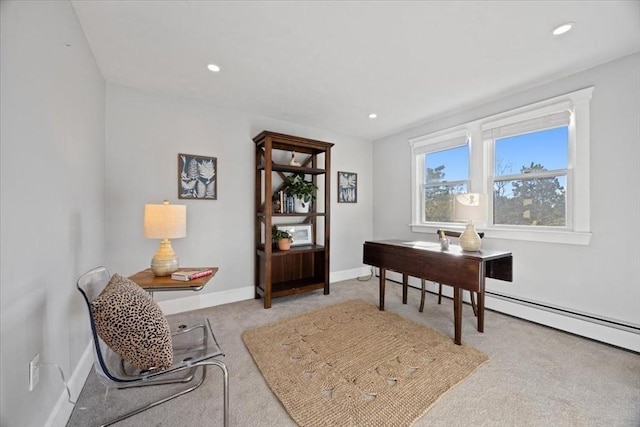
(453, 267)
(151, 283)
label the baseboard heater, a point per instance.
(565, 312)
(627, 327)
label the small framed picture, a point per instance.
(347, 187)
(301, 233)
(197, 177)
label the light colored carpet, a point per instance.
(536, 376)
(351, 364)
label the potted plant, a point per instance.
(303, 191)
(282, 237)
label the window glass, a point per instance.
(535, 201)
(446, 174)
(533, 191)
(548, 148)
(447, 165)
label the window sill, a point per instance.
(545, 236)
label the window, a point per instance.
(533, 161)
(441, 166)
(530, 173)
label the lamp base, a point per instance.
(165, 261)
(469, 239)
(164, 267)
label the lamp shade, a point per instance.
(165, 221)
(470, 207)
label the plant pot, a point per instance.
(300, 206)
(284, 244)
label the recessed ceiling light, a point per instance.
(213, 67)
(373, 115)
(561, 29)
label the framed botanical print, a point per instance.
(197, 177)
(347, 187)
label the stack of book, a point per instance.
(284, 203)
(186, 275)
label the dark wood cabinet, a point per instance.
(302, 268)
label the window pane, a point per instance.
(438, 202)
(537, 201)
(443, 172)
(546, 148)
(447, 165)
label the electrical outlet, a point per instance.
(34, 372)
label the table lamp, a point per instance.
(469, 207)
(165, 222)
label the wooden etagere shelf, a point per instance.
(303, 268)
(293, 169)
(293, 250)
(293, 214)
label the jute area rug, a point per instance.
(350, 364)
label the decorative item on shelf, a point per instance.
(302, 234)
(282, 237)
(303, 191)
(278, 202)
(277, 207)
(469, 207)
(165, 222)
(293, 161)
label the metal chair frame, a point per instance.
(189, 356)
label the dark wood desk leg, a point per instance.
(383, 279)
(457, 314)
(480, 311)
(405, 286)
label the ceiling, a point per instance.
(328, 64)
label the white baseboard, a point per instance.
(198, 300)
(339, 276)
(62, 411)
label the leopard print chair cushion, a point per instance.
(132, 324)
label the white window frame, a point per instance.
(481, 170)
(420, 147)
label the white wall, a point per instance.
(52, 222)
(602, 278)
(145, 133)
